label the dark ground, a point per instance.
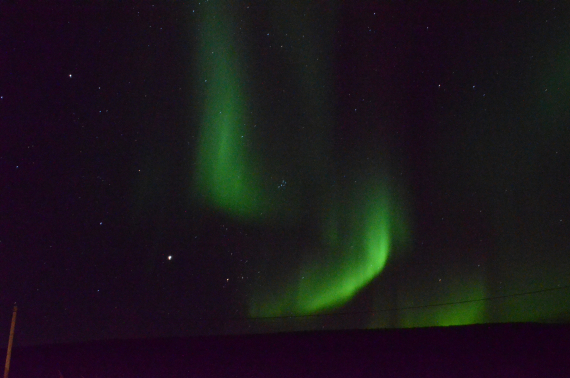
(506, 350)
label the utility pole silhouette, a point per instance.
(9, 352)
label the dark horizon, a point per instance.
(484, 350)
(186, 169)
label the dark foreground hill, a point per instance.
(507, 350)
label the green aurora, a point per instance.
(229, 178)
(465, 292)
(354, 250)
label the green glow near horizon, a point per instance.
(462, 288)
(226, 175)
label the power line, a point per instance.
(291, 316)
(410, 307)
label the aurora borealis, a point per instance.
(225, 175)
(226, 178)
(225, 167)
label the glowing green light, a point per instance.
(357, 264)
(226, 176)
(462, 293)
(347, 264)
(355, 247)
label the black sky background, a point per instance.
(97, 116)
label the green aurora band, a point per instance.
(355, 249)
(358, 233)
(226, 176)
(324, 286)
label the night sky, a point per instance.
(222, 167)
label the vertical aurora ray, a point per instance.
(226, 176)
